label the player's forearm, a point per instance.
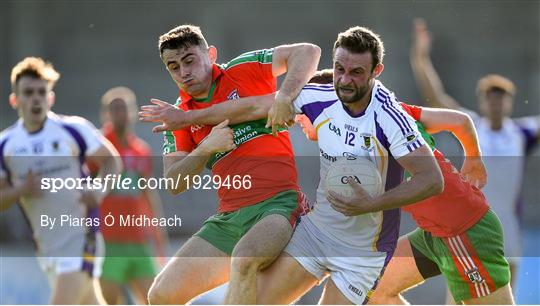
(182, 170)
(421, 186)
(301, 65)
(429, 82)
(466, 135)
(237, 111)
(110, 165)
(10, 195)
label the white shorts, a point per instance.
(90, 261)
(355, 272)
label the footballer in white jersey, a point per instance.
(355, 249)
(39, 148)
(55, 151)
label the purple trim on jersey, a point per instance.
(380, 135)
(531, 138)
(397, 111)
(385, 108)
(362, 113)
(321, 86)
(313, 110)
(389, 231)
(319, 89)
(3, 162)
(80, 142)
(391, 218)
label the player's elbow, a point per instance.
(175, 184)
(435, 182)
(311, 50)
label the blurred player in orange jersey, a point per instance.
(129, 256)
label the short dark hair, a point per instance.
(497, 83)
(183, 36)
(34, 67)
(359, 40)
(325, 76)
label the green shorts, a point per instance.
(473, 263)
(224, 230)
(128, 261)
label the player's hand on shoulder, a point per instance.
(474, 171)
(170, 117)
(361, 203)
(281, 114)
(220, 139)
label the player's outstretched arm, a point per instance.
(461, 125)
(179, 165)
(300, 61)
(426, 77)
(236, 111)
(456, 122)
(426, 181)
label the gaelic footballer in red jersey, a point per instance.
(251, 226)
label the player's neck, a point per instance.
(33, 127)
(359, 106)
(122, 136)
(496, 125)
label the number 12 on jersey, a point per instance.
(349, 138)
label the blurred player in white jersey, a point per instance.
(504, 141)
(43, 146)
(349, 239)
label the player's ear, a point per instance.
(377, 71)
(212, 53)
(13, 100)
(51, 98)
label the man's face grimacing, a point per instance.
(33, 99)
(191, 68)
(353, 74)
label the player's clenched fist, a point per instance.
(220, 139)
(281, 114)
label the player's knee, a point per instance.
(161, 293)
(247, 265)
(383, 297)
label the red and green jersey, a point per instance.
(136, 159)
(267, 160)
(458, 208)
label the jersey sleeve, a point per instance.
(313, 99)
(89, 133)
(413, 110)
(530, 128)
(254, 65)
(3, 165)
(179, 140)
(399, 128)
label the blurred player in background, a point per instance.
(129, 255)
(353, 245)
(504, 141)
(42, 144)
(253, 224)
